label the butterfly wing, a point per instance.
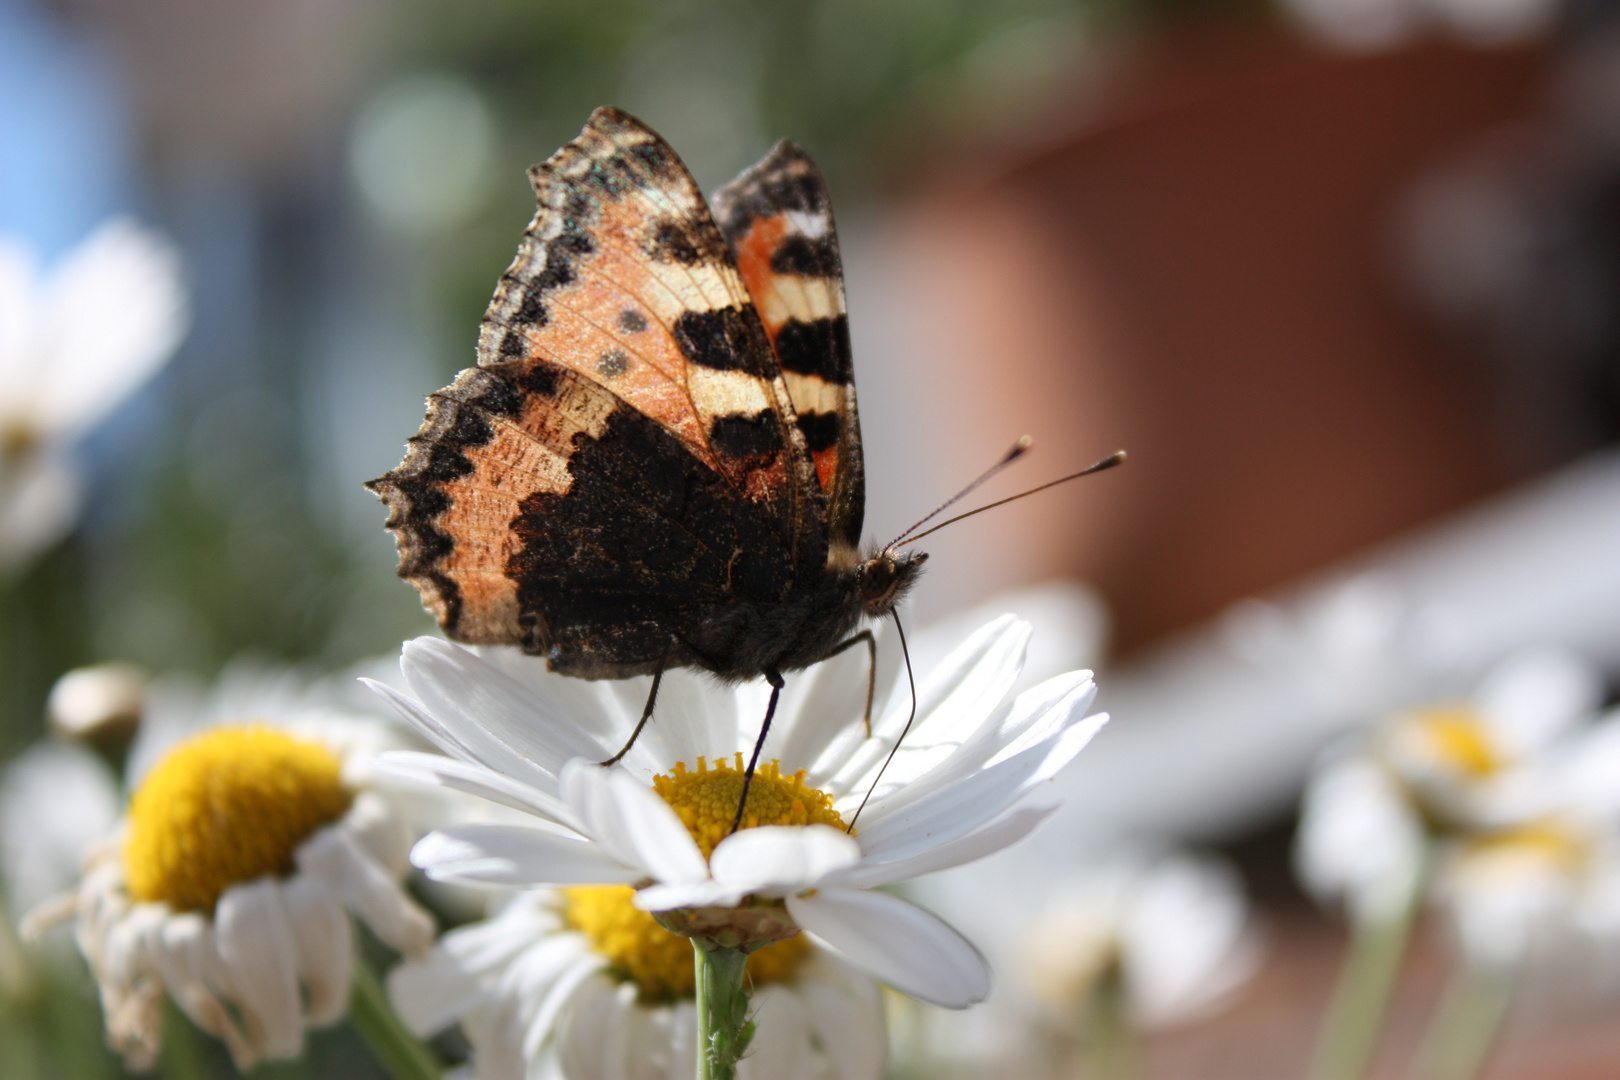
(778, 219)
(625, 459)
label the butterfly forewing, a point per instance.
(623, 277)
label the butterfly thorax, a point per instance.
(739, 641)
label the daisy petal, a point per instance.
(256, 944)
(464, 776)
(567, 982)
(912, 950)
(1002, 833)
(632, 823)
(778, 1051)
(471, 745)
(1035, 716)
(103, 352)
(965, 806)
(325, 941)
(689, 894)
(472, 697)
(187, 959)
(517, 855)
(430, 994)
(333, 857)
(951, 701)
(592, 1028)
(846, 1015)
(781, 859)
(694, 716)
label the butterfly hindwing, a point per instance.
(536, 508)
(778, 219)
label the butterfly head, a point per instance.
(886, 577)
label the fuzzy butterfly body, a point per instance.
(657, 461)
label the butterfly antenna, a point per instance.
(1018, 450)
(1116, 458)
(895, 749)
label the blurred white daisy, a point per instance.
(74, 343)
(1548, 882)
(1371, 814)
(1174, 932)
(1461, 764)
(253, 832)
(58, 800)
(530, 739)
(580, 984)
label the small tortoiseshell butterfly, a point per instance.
(657, 461)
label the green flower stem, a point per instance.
(724, 1029)
(183, 1057)
(1465, 1025)
(1111, 1047)
(400, 1052)
(1361, 999)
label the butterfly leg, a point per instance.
(773, 677)
(871, 670)
(646, 713)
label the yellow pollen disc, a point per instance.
(1460, 739)
(224, 808)
(706, 800)
(1544, 841)
(657, 961)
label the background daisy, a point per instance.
(74, 343)
(253, 835)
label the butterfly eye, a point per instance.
(879, 576)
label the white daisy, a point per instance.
(58, 800)
(660, 821)
(74, 344)
(254, 831)
(1549, 881)
(1174, 931)
(1432, 774)
(580, 984)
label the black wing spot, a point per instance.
(738, 435)
(723, 340)
(657, 158)
(820, 430)
(819, 347)
(498, 398)
(803, 257)
(674, 240)
(612, 177)
(632, 321)
(514, 344)
(540, 380)
(613, 363)
(532, 312)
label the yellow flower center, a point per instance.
(1546, 842)
(657, 961)
(706, 800)
(224, 808)
(1459, 739)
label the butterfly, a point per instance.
(657, 461)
